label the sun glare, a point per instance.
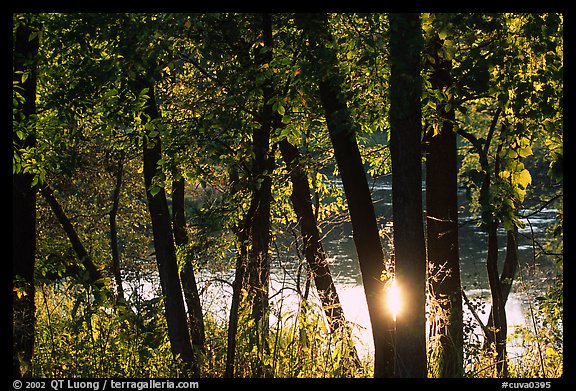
(393, 298)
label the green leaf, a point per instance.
(525, 151)
(284, 133)
(512, 154)
(154, 189)
(281, 110)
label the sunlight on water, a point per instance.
(216, 300)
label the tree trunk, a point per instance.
(366, 236)
(508, 270)
(262, 167)
(24, 209)
(93, 275)
(405, 148)
(498, 312)
(313, 250)
(508, 273)
(442, 225)
(164, 244)
(116, 269)
(242, 238)
(191, 295)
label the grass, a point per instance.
(76, 337)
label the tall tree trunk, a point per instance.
(405, 148)
(24, 208)
(164, 243)
(366, 236)
(262, 167)
(498, 312)
(442, 224)
(189, 286)
(313, 250)
(490, 222)
(116, 269)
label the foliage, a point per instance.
(209, 88)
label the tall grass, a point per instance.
(76, 337)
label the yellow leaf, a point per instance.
(187, 24)
(524, 178)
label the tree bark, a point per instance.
(93, 275)
(189, 286)
(313, 250)
(116, 269)
(164, 243)
(366, 236)
(442, 224)
(508, 271)
(258, 277)
(24, 209)
(242, 238)
(405, 148)
(498, 311)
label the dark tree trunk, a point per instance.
(442, 225)
(498, 312)
(262, 166)
(313, 250)
(191, 295)
(366, 236)
(164, 244)
(93, 275)
(241, 232)
(116, 269)
(24, 209)
(405, 148)
(508, 274)
(240, 273)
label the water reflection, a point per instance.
(285, 292)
